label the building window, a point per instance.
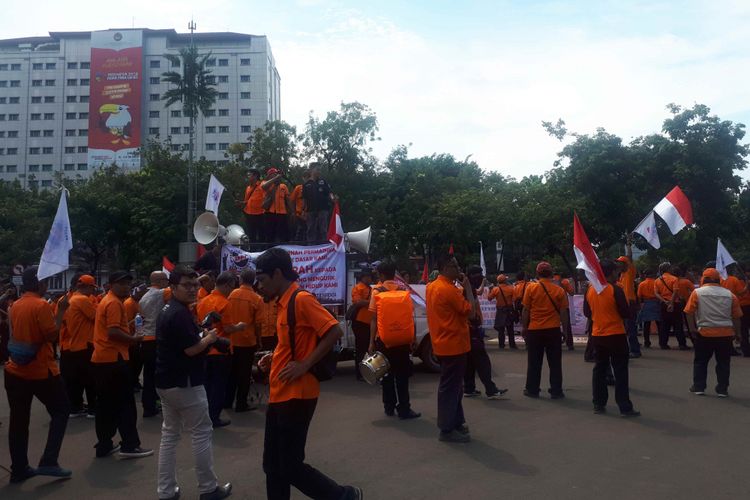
(154, 64)
(3, 100)
(211, 79)
(244, 95)
(49, 133)
(12, 134)
(72, 65)
(13, 117)
(47, 151)
(154, 80)
(84, 132)
(2, 134)
(70, 132)
(50, 66)
(47, 183)
(15, 67)
(153, 130)
(2, 118)
(83, 166)
(11, 169)
(33, 168)
(176, 113)
(11, 151)
(72, 82)
(2, 151)
(69, 150)
(49, 83)
(244, 62)
(84, 81)
(185, 130)
(34, 116)
(223, 78)
(223, 62)
(34, 151)
(49, 116)
(68, 116)
(223, 112)
(211, 62)
(175, 147)
(83, 116)
(37, 66)
(153, 97)
(3, 67)
(83, 149)
(210, 130)
(245, 112)
(244, 78)
(211, 146)
(36, 83)
(35, 133)
(223, 96)
(85, 65)
(224, 130)
(15, 83)
(14, 100)
(49, 99)
(3, 84)
(83, 98)
(70, 98)
(174, 130)
(223, 146)
(69, 166)
(153, 114)
(210, 112)
(176, 63)
(47, 168)
(246, 129)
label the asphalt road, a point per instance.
(683, 447)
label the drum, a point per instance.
(375, 367)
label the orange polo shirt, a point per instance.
(298, 200)
(627, 281)
(267, 313)
(685, 287)
(31, 318)
(360, 292)
(502, 295)
(646, 289)
(541, 309)
(738, 288)
(518, 289)
(448, 314)
(202, 293)
(279, 200)
(110, 314)
(567, 286)
(605, 318)
(664, 286)
(718, 331)
(79, 320)
(216, 302)
(245, 305)
(254, 199)
(312, 322)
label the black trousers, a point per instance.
(745, 331)
(240, 377)
(361, 343)
(75, 368)
(218, 368)
(647, 331)
(705, 348)
(539, 343)
(51, 392)
(148, 394)
(115, 409)
(671, 321)
(504, 325)
(136, 364)
(451, 392)
(569, 337)
(284, 453)
(611, 350)
(277, 228)
(255, 229)
(395, 384)
(478, 362)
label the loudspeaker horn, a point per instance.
(358, 240)
(207, 228)
(235, 234)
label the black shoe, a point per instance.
(219, 493)
(685, 348)
(136, 452)
(176, 495)
(23, 476)
(107, 451)
(697, 392)
(472, 394)
(497, 394)
(53, 471)
(390, 412)
(454, 437)
(353, 493)
(664, 347)
(243, 409)
(462, 429)
(635, 355)
(557, 395)
(409, 415)
(722, 393)
(221, 423)
(630, 414)
(647, 346)
(571, 348)
(530, 394)
(599, 410)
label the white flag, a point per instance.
(55, 257)
(213, 197)
(723, 259)
(647, 229)
(481, 259)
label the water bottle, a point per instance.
(138, 324)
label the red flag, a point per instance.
(425, 272)
(166, 265)
(450, 249)
(675, 209)
(587, 259)
(335, 230)
(201, 251)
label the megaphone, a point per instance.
(207, 228)
(235, 234)
(358, 240)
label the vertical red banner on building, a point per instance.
(115, 98)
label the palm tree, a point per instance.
(195, 90)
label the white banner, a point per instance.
(59, 243)
(213, 197)
(321, 269)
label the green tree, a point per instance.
(275, 144)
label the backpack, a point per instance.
(352, 310)
(395, 318)
(324, 369)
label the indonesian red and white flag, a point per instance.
(675, 209)
(166, 266)
(587, 259)
(335, 230)
(647, 229)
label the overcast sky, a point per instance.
(471, 77)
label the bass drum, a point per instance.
(375, 367)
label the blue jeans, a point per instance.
(631, 328)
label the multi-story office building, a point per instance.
(45, 95)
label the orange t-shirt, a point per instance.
(31, 318)
(717, 331)
(202, 293)
(279, 200)
(518, 289)
(215, 301)
(63, 337)
(664, 286)
(685, 287)
(131, 309)
(110, 314)
(627, 281)
(448, 314)
(267, 313)
(79, 320)
(646, 289)
(312, 322)
(738, 288)
(503, 295)
(542, 313)
(245, 305)
(298, 200)
(567, 286)
(361, 292)
(254, 200)
(605, 317)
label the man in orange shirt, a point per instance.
(300, 213)
(671, 307)
(253, 208)
(714, 318)
(245, 305)
(448, 312)
(275, 204)
(294, 389)
(219, 364)
(76, 350)
(32, 372)
(502, 294)
(545, 306)
(627, 283)
(519, 289)
(608, 311)
(650, 306)
(361, 294)
(558, 280)
(208, 282)
(116, 410)
(737, 283)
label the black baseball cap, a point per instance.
(120, 276)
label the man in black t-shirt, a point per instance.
(180, 374)
(318, 197)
